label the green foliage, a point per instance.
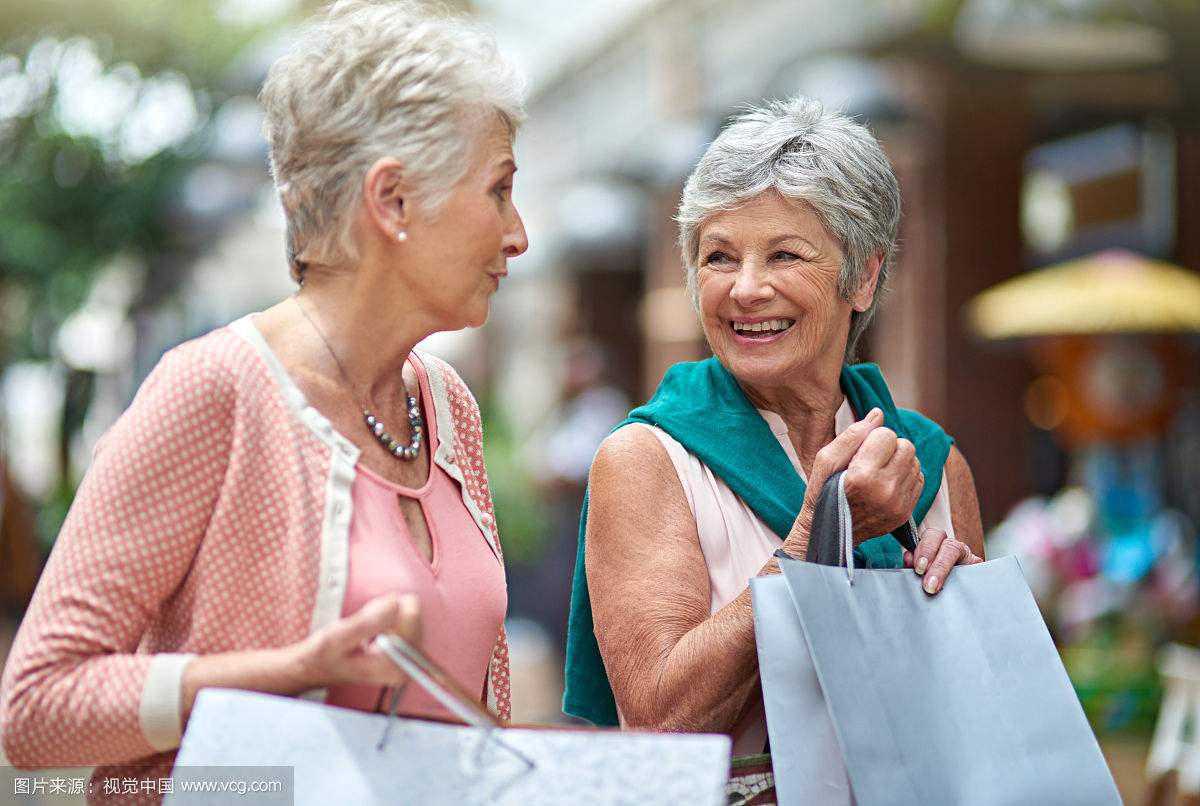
(520, 514)
(1113, 671)
(937, 16)
(69, 202)
(104, 110)
(66, 209)
(186, 36)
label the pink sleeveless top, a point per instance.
(737, 544)
(462, 588)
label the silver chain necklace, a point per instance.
(407, 452)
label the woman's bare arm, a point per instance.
(964, 502)
(671, 664)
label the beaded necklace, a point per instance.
(378, 430)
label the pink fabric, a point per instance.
(461, 588)
(198, 529)
(736, 543)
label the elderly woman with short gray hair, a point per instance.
(788, 228)
(287, 487)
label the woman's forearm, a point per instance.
(672, 663)
(705, 681)
(341, 653)
(271, 671)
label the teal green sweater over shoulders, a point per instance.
(701, 405)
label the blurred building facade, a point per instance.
(970, 110)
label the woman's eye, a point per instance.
(716, 257)
(781, 255)
(502, 190)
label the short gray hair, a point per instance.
(809, 154)
(368, 80)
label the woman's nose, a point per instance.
(516, 242)
(750, 286)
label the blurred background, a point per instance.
(1044, 308)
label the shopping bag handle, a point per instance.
(438, 683)
(831, 539)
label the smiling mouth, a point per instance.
(761, 330)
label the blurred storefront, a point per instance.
(1024, 135)
(1014, 151)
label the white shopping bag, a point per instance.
(337, 759)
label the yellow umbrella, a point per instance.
(1109, 292)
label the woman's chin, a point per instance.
(478, 315)
(756, 366)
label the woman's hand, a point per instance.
(841, 454)
(883, 482)
(344, 653)
(341, 654)
(936, 556)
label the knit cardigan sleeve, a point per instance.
(75, 690)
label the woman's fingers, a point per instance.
(379, 669)
(837, 454)
(883, 483)
(877, 449)
(949, 554)
(344, 652)
(407, 625)
(383, 614)
(927, 549)
(408, 622)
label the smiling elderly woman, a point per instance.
(788, 228)
(287, 487)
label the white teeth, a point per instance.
(773, 325)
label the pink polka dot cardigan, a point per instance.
(214, 518)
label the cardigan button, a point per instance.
(486, 519)
(450, 457)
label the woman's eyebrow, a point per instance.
(785, 238)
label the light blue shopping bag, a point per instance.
(958, 698)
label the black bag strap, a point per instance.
(825, 538)
(825, 542)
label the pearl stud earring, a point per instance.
(401, 236)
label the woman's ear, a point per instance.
(385, 198)
(862, 298)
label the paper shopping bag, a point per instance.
(336, 757)
(806, 761)
(958, 698)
